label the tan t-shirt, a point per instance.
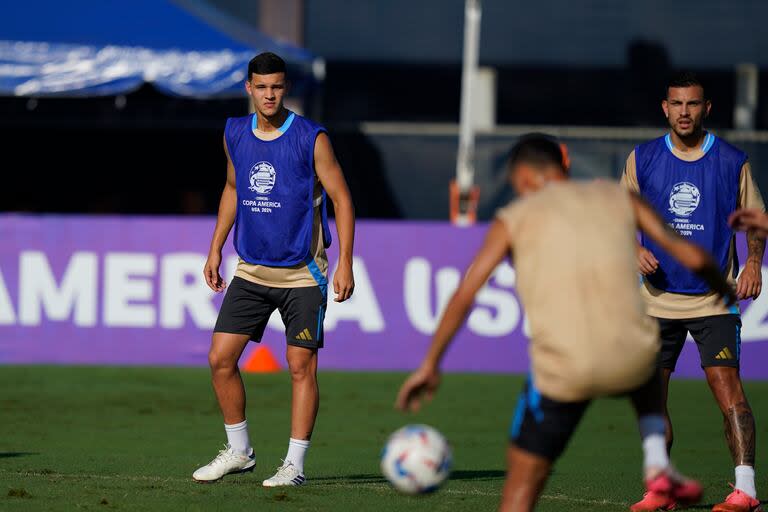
(663, 304)
(296, 276)
(573, 246)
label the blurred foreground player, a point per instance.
(754, 220)
(279, 168)
(695, 180)
(590, 335)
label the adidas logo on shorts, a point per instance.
(304, 335)
(724, 354)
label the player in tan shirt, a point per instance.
(574, 253)
(711, 179)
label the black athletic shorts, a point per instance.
(543, 426)
(717, 337)
(247, 307)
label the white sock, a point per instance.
(237, 437)
(297, 450)
(652, 430)
(745, 480)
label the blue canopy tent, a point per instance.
(106, 47)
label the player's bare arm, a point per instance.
(332, 178)
(426, 379)
(690, 255)
(750, 282)
(224, 222)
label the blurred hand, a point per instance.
(752, 218)
(211, 273)
(422, 382)
(646, 261)
(750, 282)
(343, 282)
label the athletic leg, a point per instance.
(302, 364)
(665, 487)
(243, 317)
(302, 310)
(672, 333)
(719, 342)
(526, 475)
(738, 420)
(649, 404)
(223, 356)
(540, 431)
(237, 456)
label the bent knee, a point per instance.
(219, 361)
(300, 371)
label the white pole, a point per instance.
(465, 165)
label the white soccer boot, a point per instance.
(224, 463)
(287, 475)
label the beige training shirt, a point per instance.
(573, 246)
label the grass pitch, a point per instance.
(90, 438)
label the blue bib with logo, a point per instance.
(275, 188)
(695, 199)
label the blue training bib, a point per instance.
(695, 199)
(275, 186)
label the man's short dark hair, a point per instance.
(539, 150)
(265, 63)
(684, 79)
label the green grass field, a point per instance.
(129, 439)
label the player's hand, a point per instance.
(343, 282)
(646, 261)
(423, 382)
(750, 282)
(750, 218)
(211, 273)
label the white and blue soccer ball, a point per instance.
(416, 459)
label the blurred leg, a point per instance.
(526, 475)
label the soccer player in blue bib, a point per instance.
(696, 180)
(280, 167)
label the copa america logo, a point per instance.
(262, 178)
(684, 199)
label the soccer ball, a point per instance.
(416, 459)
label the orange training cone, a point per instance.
(261, 361)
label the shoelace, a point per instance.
(283, 470)
(223, 455)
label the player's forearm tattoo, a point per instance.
(756, 247)
(740, 433)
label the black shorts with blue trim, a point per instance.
(717, 337)
(247, 307)
(543, 426)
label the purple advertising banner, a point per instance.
(129, 290)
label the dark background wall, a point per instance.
(594, 62)
(592, 33)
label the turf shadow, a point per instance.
(362, 478)
(8, 455)
(477, 474)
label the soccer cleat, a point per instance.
(667, 491)
(287, 475)
(225, 463)
(738, 501)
